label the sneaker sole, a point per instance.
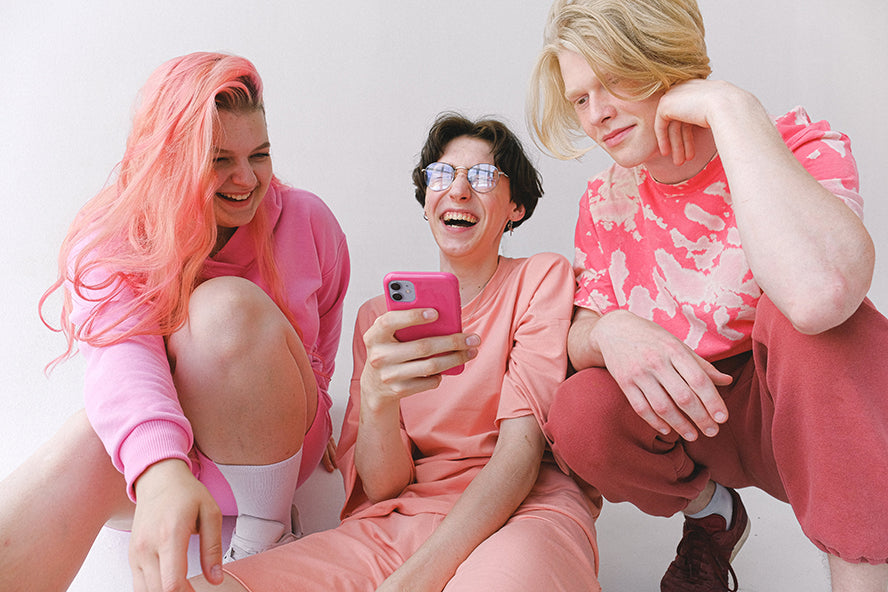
(742, 539)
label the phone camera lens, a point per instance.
(397, 296)
(395, 286)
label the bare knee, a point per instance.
(231, 314)
(241, 373)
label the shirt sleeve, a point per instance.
(537, 362)
(826, 155)
(130, 398)
(331, 300)
(594, 288)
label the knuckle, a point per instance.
(654, 360)
(424, 348)
(698, 382)
(387, 377)
(374, 359)
(170, 583)
(378, 326)
(640, 408)
(429, 367)
(661, 408)
(214, 549)
(683, 398)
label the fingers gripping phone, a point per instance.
(426, 289)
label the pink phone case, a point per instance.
(426, 289)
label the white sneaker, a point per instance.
(253, 535)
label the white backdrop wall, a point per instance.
(351, 88)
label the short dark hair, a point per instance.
(508, 156)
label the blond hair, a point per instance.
(648, 45)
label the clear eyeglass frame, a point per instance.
(483, 177)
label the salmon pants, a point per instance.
(539, 550)
(808, 424)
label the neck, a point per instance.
(472, 275)
(223, 235)
(665, 170)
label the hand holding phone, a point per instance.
(423, 289)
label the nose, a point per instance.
(600, 107)
(460, 188)
(243, 175)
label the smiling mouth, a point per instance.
(235, 197)
(615, 134)
(459, 219)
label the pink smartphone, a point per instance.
(426, 289)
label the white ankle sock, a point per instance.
(264, 491)
(721, 503)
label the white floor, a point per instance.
(635, 548)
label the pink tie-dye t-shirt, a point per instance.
(672, 254)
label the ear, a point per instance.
(517, 212)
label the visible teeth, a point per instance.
(235, 197)
(459, 218)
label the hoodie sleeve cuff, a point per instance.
(149, 443)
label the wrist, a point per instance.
(158, 475)
(376, 408)
(582, 346)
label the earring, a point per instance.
(511, 227)
(425, 216)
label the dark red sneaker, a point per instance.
(704, 555)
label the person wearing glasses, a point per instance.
(206, 297)
(722, 335)
(448, 482)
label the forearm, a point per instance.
(581, 347)
(382, 459)
(485, 506)
(808, 251)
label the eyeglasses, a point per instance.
(482, 177)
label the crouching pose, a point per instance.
(722, 337)
(206, 298)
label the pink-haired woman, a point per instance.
(206, 297)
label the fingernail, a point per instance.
(711, 432)
(721, 417)
(690, 436)
(472, 353)
(473, 341)
(429, 313)
(217, 572)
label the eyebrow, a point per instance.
(263, 146)
(573, 91)
(570, 93)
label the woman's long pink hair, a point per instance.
(150, 231)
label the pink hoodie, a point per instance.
(130, 398)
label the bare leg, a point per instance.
(242, 374)
(857, 577)
(246, 385)
(702, 500)
(54, 505)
